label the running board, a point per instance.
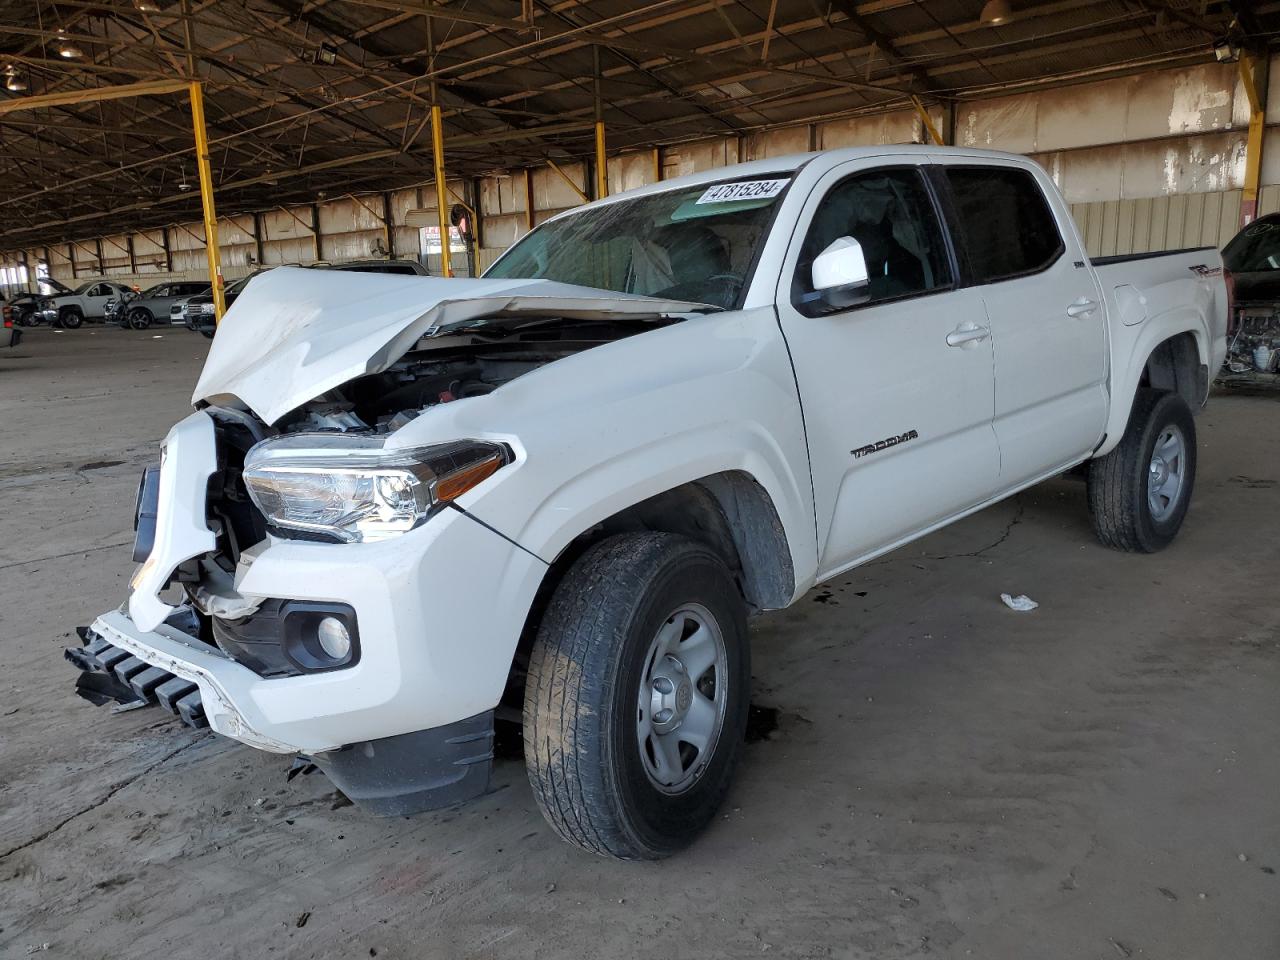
(109, 673)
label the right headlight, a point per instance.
(352, 489)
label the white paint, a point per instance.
(441, 607)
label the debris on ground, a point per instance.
(1022, 603)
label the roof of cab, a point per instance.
(791, 163)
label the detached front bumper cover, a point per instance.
(110, 673)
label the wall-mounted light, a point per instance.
(1225, 51)
(995, 12)
(326, 54)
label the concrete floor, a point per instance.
(1096, 779)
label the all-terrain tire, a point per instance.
(582, 695)
(70, 317)
(1118, 483)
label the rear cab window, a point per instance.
(1004, 222)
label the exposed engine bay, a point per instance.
(437, 370)
(453, 368)
(1254, 346)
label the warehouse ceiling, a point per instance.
(312, 97)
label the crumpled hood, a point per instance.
(295, 333)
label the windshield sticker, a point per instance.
(743, 190)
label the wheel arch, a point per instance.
(1170, 354)
(730, 511)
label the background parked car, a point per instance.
(1253, 257)
(87, 302)
(152, 304)
(199, 309)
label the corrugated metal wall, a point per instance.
(1147, 162)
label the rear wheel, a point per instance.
(139, 318)
(70, 317)
(636, 701)
(1140, 491)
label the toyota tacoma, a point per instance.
(404, 506)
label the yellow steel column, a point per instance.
(1252, 74)
(206, 200)
(602, 162)
(442, 194)
(437, 151)
(927, 121)
(602, 165)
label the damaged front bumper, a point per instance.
(176, 670)
(434, 649)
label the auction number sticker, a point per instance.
(743, 190)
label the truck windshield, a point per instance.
(1255, 248)
(697, 244)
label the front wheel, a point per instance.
(70, 317)
(636, 702)
(139, 318)
(1140, 491)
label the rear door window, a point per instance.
(1005, 221)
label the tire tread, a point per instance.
(573, 657)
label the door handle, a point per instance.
(962, 336)
(1082, 307)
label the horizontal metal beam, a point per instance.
(92, 95)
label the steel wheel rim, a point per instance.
(683, 694)
(1166, 473)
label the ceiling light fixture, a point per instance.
(327, 54)
(995, 12)
(66, 49)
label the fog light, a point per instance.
(333, 637)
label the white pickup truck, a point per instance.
(407, 505)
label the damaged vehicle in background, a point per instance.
(29, 308)
(141, 310)
(406, 508)
(87, 302)
(1253, 259)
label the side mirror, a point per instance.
(840, 274)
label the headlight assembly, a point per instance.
(354, 490)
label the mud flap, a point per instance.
(414, 772)
(109, 673)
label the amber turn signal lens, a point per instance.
(455, 484)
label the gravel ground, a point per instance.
(932, 773)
